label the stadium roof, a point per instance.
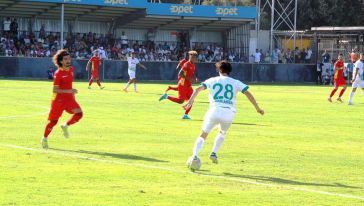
(332, 29)
(72, 11)
(125, 16)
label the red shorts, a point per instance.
(95, 75)
(184, 92)
(339, 82)
(58, 106)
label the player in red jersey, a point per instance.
(185, 78)
(179, 66)
(339, 80)
(96, 62)
(63, 96)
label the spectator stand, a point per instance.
(160, 32)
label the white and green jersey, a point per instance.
(223, 91)
(132, 63)
(360, 65)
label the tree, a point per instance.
(315, 13)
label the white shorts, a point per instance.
(218, 116)
(131, 74)
(358, 83)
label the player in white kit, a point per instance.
(222, 96)
(358, 77)
(133, 62)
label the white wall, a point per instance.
(204, 36)
(263, 41)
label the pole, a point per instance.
(272, 28)
(257, 22)
(295, 28)
(62, 24)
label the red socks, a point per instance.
(333, 92)
(341, 92)
(74, 118)
(188, 110)
(176, 100)
(49, 127)
(92, 80)
(51, 123)
(179, 101)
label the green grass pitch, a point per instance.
(130, 149)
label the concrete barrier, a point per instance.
(111, 70)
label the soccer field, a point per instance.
(131, 149)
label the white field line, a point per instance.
(276, 186)
(26, 115)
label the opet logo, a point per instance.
(227, 11)
(116, 2)
(181, 9)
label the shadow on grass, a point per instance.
(287, 182)
(113, 155)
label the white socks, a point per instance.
(351, 97)
(219, 139)
(134, 87)
(198, 144)
(127, 86)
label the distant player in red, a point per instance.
(63, 96)
(339, 80)
(185, 78)
(96, 62)
(179, 66)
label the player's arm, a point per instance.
(193, 97)
(142, 66)
(356, 75)
(178, 66)
(254, 102)
(195, 78)
(182, 75)
(57, 90)
(336, 68)
(88, 64)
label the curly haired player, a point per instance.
(63, 97)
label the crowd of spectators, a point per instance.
(281, 56)
(45, 44)
(213, 52)
(81, 46)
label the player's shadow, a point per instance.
(236, 123)
(288, 182)
(113, 155)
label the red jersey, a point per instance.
(63, 79)
(339, 73)
(188, 70)
(182, 62)
(95, 63)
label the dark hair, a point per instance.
(58, 57)
(223, 67)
